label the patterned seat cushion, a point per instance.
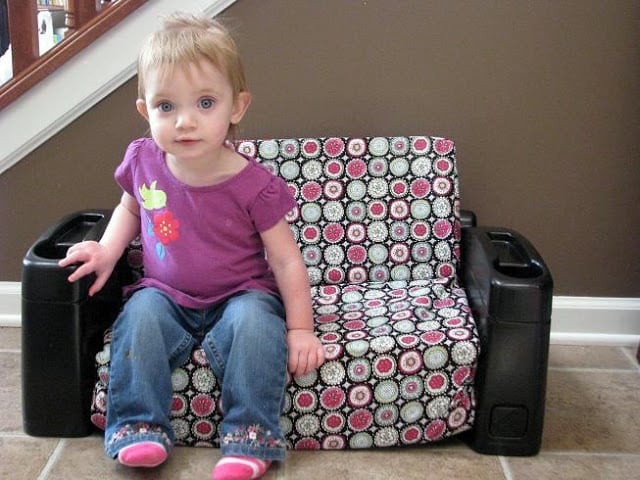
(377, 222)
(400, 365)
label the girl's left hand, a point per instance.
(305, 352)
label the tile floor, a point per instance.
(592, 431)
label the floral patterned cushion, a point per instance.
(377, 222)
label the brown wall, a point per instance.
(542, 98)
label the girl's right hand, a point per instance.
(95, 258)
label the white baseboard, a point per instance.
(595, 320)
(574, 320)
(10, 304)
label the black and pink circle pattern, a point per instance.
(370, 209)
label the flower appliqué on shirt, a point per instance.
(162, 224)
(152, 198)
(165, 227)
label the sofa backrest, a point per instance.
(370, 209)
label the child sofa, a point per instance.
(432, 326)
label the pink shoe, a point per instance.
(142, 454)
(231, 467)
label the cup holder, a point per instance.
(512, 258)
(77, 229)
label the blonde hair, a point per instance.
(186, 38)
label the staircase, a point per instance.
(97, 56)
(85, 21)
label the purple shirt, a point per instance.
(202, 244)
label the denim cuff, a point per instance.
(253, 441)
(262, 453)
(131, 434)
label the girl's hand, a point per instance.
(95, 258)
(305, 351)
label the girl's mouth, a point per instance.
(187, 141)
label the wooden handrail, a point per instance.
(85, 24)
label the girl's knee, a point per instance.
(252, 323)
(256, 309)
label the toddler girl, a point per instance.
(222, 268)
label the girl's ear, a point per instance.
(240, 106)
(141, 106)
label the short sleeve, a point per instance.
(125, 172)
(272, 204)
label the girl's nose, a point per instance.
(185, 120)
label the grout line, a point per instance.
(582, 453)
(53, 459)
(631, 357)
(506, 468)
(9, 350)
(14, 435)
(592, 370)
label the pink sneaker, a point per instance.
(240, 468)
(142, 454)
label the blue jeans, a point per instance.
(244, 338)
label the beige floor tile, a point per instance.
(10, 399)
(10, 338)
(408, 464)
(592, 411)
(194, 463)
(588, 356)
(575, 467)
(24, 457)
(84, 458)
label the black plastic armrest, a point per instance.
(510, 292)
(62, 329)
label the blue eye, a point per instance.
(165, 107)
(206, 103)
